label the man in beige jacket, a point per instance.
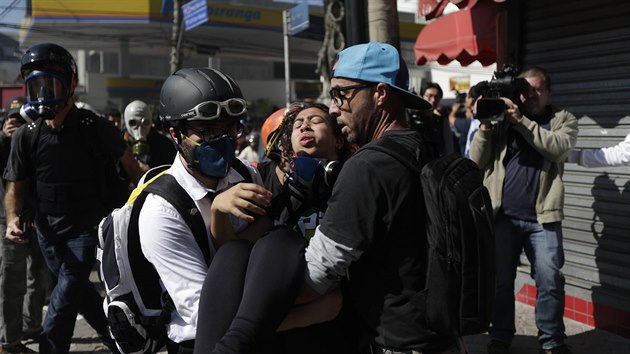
(522, 158)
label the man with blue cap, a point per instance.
(370, 231)
(370, 235)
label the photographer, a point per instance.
(460, 119)
(21, 301)
(471, 99)
(434, 124)
(522, 157)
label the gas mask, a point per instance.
(138, 123)
(47, 94)
(214, 158)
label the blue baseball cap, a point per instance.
(378, 62)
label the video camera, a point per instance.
(504, 83)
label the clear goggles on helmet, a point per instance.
(212, 109)
(44, 86)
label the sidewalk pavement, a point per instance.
(582, 339)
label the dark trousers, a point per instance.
(248, 291)
(71, 262)
(23, 285)
(180, 348)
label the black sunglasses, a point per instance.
(337, 98)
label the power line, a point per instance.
(8, 8)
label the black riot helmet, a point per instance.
(48, 71)
(39, 56)
(200, 94)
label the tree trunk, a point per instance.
(383, 22)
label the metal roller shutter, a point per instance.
(585, 45)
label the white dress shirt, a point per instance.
(168, 243)
(617, 155)
(474, 126)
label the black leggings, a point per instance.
(248, 291)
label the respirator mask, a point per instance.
(214, 159)
(47, 94)
(213, 156)
(138, 123)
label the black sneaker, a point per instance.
(563, 349)
(498, 347)
(110, 344)
(32, 336)
(16, 349)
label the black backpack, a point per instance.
(460, 237)
(137, 309)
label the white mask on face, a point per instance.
(138, 120)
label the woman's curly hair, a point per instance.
(280, 142)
